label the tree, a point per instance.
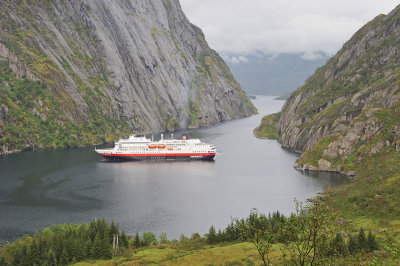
(51, 258)
(113, 231)
(88, 248)
(352, 244)
(35, 252)
(195, 236)
(220, 236)
(305, 231)
(338, 246)
(148, 238)
(163, 238)
(124, 240)
(212, 236)
(24, 256)
(63, 258)
(97, 247)
(136, 241)
(371, 242)
(183, 240)
(257, 230)
(362, 240)
(106, 252)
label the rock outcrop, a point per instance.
(349, 109)
(107, 68)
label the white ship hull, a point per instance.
(141, 148)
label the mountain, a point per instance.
(346, 118)
(82, 72)
(273, 75)
(349, 109)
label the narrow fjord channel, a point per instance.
(41, 188)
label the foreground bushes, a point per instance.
(309, 236)
(63, 244)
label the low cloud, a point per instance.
(307, 27)
(235, 59)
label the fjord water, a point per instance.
(41, 188)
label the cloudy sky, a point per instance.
(246, 27)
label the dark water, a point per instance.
(74, 185)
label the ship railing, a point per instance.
(106, 149)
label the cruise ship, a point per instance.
(141, 148)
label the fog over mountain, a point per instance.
(300, 35)
(273, 75)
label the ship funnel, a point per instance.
(162, 136)
(172, 136)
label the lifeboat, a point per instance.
(161, 146)
(170, 149)
(152, 146)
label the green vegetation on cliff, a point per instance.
(268, 127)
(35, 119)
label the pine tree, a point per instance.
(220, 236)
(371, 242)
(212, 237)
(17, 257)
(338, 245)
(96, 247)
(34, 256)
(51, 258)
(229, 233)
(24, 256)
(124, 240)
(362, 240)
(136, 241)
(77, 250)
(106, 252)
(64, 258)
(352, 245)
(88, 248)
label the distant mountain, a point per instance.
(81, 71)
(268, 75)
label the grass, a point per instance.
(268, 127)
(375, 191)
(232, 254)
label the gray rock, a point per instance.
(350, 98)
(135, 60)
(324, 165)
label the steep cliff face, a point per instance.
(350, 108)
(103, 68)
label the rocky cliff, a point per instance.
(82, 71)
(349, 109)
